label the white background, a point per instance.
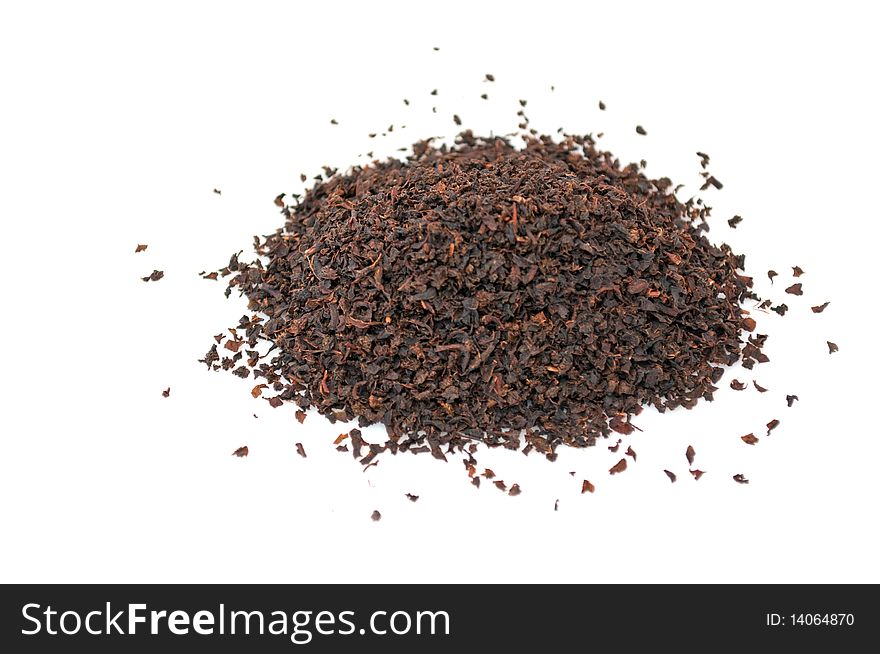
(118, 123)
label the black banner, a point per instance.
(318, 618)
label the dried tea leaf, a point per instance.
(749, 439)
(488, 473)
(490, 77)
(749, 324)
(796, 271)
(140, 248)
(771, 274)
(781, 309)
(759, 388)
(514, 490)
(500, 485)
(640, 130)
(697, 474)
(376, 516)
(217, 191)
(790, 399)
(733, 222)
(300, 416)
(832, 347)
(587, 487)
(738, 385)
(274, 402)
(279, 200)
(340, 438)
(556, 505)
(154, 276)
(631, 452)
(740, 479)
(671, 476)
(475, 481)
(620, 466)
(820, 308)
(301, 450)
(242, 451)
(773, 424)
(412, 498)
(690, 454)
(795, 289)
(257, 390)
(615, 447)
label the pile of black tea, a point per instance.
(517, 296)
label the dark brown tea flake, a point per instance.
(773, 424)
(601, 106)
(376, 516)
(500, 485)
(641, 130)
(740, 479)
(697, 474)
(412, 498)
(587, 487)
(790, 399)
(631, 452)
(620, 466)
(750, 439)
(797, 271)
(737, 385)
(795, 289)
(690, 454)
(832, 347)
(242, 451)
(671, 475)
(771, 274)
(514, 490)
(301, 450)
(140, 248)
(733, 222)
(758, 387)
(154, 276)
(300, 416)
(820, 308)
(490, 77)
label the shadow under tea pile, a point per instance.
(480, 292)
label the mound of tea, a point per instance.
(530, 296)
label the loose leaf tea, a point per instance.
(758, 387)
(587, 487)
(514, 490)
(795, 289)
(832, 347)
(771, 274)
(790, 399)
(740, 479)
(536, 296)
(166, 392)
(140, 248)
(671, 476)
(697, 474)
(796, 271)
(690, 454)
(733, 222)
(631, 452)
(737, 385)
(640, 130)
(242, 451)
(820, 308)
(773, 424)
(301, 450)
(154, 276)
(412, 498)
(749, 439)
(376, 516)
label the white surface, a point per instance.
(117, 123)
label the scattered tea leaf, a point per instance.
(631, 452)
(166, 392)
(690, 454)
(733, 222)
(671, 476)
(620, 466)
(820, 308)
(738, 385)
(140, 248)
(412, 498)
(795, 289)
(749, 439)
(759, 388)
(740, 479)
(773, 424)
(154, 276)
(796, 271)
(832, 347)
(242, 451)
(587, 487)
(697, 474)
(376, 516)
(641, 130)
(790, 399)
(514, 490)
